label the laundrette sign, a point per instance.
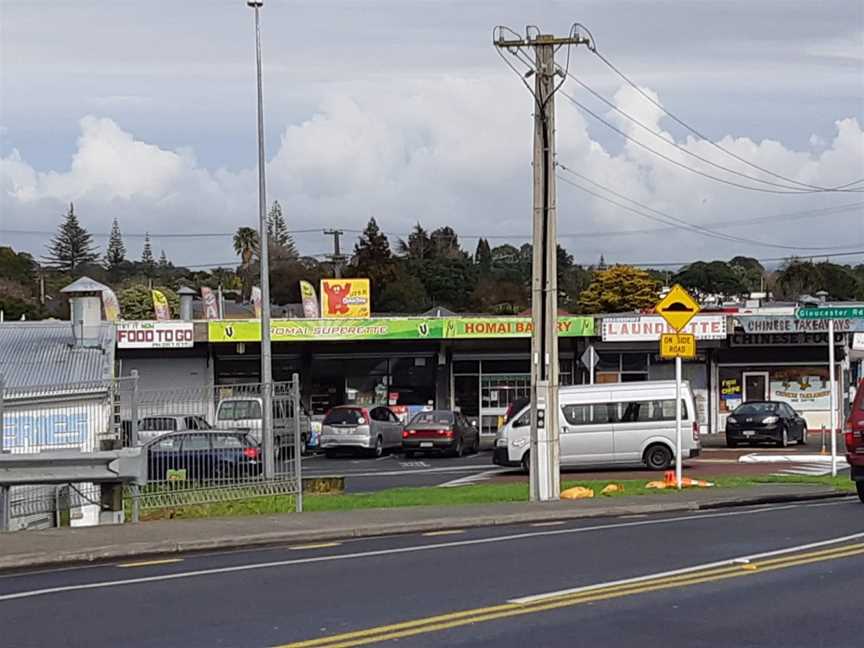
(648, 328)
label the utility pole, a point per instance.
(264, 255)
(545, 479)
(337, 258)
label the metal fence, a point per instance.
(201, 445)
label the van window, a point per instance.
(524, 420)
(650, 411)
(591, 413)
(239, 410)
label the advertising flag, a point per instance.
(345, 298)
(211, 308)
(256, 301)
(310, 300)
(110, 304)
(160, 305)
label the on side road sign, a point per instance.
(678, 308)
(677, 345)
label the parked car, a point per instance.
(443, 431)
(245, 413)
(625, 423)
(353, 428)
(773, 421)
(181, 456)
(150, 427)
(854, 438)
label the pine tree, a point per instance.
(115, 254)
(419, 245)
(373, 248)
(483, 255)
(163, 261)
(277, 231)
(72, 246)
(147, 254)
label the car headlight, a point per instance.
(501, 442)
(519, 443)
(732, 420)
(770, 420)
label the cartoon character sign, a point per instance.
(345, 298)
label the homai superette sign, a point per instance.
(297, 330)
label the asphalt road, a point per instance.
(394, 470)
(567, 584)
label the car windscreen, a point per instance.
(344, 416)
(755, 409)
(239, 410)
(432, 418)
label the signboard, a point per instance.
(403, 328)
(776, 324)
(830, 313)
(858, 342)
(651, 327)
(310, 300)
(345, 298)
(804, 388)
(211, 306)
(151, 334)
(509, 327)
(678, 308)
(160, 305)
(677, 345)
(783, 339)
(590, 358)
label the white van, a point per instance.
(622, 423)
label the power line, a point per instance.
(731, 183)
(665, 218)
(682, 264)
(686, 151)
(153, 235)
(678, 120)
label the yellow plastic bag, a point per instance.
(577, 492)
(657, 484)
(612, 488)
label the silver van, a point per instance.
(245, 413)
(623, 423)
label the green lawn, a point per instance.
(473, 494)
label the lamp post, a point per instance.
(263, 255)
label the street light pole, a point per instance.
(263, 255)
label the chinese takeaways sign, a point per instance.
(403, 328)
(345, 298)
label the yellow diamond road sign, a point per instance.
(678, 308)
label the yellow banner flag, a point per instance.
(160, 305)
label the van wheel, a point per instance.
(658, 457)
(526, 463)
(859, 485)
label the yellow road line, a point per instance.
(478, 615)
(150, 563)
(320, 545)
(444, 533)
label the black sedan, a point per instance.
(758, 421)
(203, 456)
(443, 431)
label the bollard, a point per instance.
(824, 450)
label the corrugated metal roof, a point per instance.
(38, 354)
(84, 284)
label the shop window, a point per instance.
(466, 367)
(608, 362)
(518, 366)
(634, 362)
(466, 393)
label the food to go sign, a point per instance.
(155, 335)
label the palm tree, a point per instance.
(246, 244)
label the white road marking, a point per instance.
(524, 600)
(811, 469)
(403, 550)
(758, 457)
(473, 479)
(389, 473)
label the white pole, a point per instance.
(678, 422)
(833, 416)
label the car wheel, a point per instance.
(803, 440)
(784, 439)
(658, 457)
(378, 451)
(731, 443)
(526, 463)
(475, 447)
(859, 486)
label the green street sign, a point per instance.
(830, 313)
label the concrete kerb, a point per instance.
(288, 537)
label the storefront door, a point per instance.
(755, 385)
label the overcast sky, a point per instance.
(402, 110)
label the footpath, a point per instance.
(76, 545)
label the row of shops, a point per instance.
(481, 365)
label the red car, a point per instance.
(855, 440)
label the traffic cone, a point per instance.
(669, 477)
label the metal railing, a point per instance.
(200, 445)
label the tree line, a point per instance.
(429, 268)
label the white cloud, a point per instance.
(440, 150)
